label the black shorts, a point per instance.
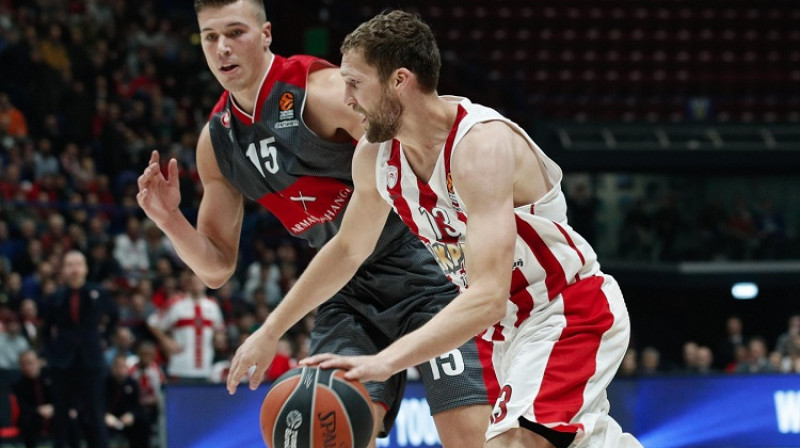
(390, 296)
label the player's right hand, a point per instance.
(257, 350)
(159, 196)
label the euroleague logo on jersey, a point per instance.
(287, 101)
(286, 112)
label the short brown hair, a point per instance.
(199, 5)
(396, 39)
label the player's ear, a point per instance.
(266, 32)
(400, 79)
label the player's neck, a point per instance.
(247, 98)
(426, 124)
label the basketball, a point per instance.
(310, 407)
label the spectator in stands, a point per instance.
(32, 284)
(630, 363)
(185, 331)
(222, 349)
(690, 361)
(283, 360)
(705, 360)
(31, 323)
(12, 121)
(791, 362)
(650, 363)
(158, 245)
(103, 268)
(123, 408)
(130, 251)
(757, 358)
(150, 378)
(34, 397)
(12, 343)
(122, 345)
(784, 342)
(734, 338)
(265, 274)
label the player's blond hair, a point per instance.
(398, 39)
(258, 5)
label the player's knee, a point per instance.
(463, 427)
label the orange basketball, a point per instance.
(310, 407)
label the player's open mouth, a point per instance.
(228, 68)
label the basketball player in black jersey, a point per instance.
(282, 136)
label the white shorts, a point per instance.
(556, 368)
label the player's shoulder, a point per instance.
(482, 130)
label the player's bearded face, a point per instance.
(384, 121)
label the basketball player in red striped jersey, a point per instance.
(487, 202)
(281, 136)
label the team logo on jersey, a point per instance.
(452, 193)
(391, 176)
(225, 119)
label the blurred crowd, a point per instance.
(87, 89)
(735, 352)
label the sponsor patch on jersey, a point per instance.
(307, 202)
(391, 176)
(226, 119)
(287, 124)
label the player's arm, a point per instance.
(330, 269)
(326, 113)
(211, 249)
(482, 174)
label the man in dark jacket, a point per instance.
(78, 319)
(33, 392)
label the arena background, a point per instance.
(676, 123)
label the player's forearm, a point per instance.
(198, 251)
(328, 272)
(470, 313)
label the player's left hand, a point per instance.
(363, 368)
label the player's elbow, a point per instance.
(216, 278)
(492, 304)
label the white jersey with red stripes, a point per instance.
(192, 323)
(549, 255)
(566, 326)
